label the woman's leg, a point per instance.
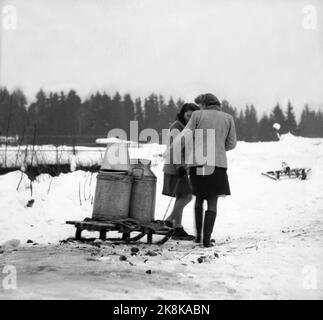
(176, 218)
(198, 217)
(177, 213)
(209, 219)
(212, 203)
(185, 200)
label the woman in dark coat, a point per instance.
(208, 175)
(176, 182)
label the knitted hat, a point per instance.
(207, 99)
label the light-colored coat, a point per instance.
(169, 167)
(217, 135)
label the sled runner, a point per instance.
(126, 227)
(287, 173)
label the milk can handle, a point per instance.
(138, 169)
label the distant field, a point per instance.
(22, 156)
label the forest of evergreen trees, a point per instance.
(63, 118)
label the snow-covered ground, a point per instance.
(269, 234)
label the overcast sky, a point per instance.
(247, 51)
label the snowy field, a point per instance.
(269, 235)
(21, 156)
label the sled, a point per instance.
(270, 174)
(126, 227)
(296, 173)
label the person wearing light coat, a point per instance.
(207, 137)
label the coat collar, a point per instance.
(180, 123)
(213, 107)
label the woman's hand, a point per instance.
(181, 171)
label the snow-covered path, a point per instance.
(271, 270)
(269, 236)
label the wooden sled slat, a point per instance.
(269, 176)
(125, 226)
(166, 238)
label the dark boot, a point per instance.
(198, 223)
(209, 220)
(181, 234)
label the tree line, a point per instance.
(63, 118)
